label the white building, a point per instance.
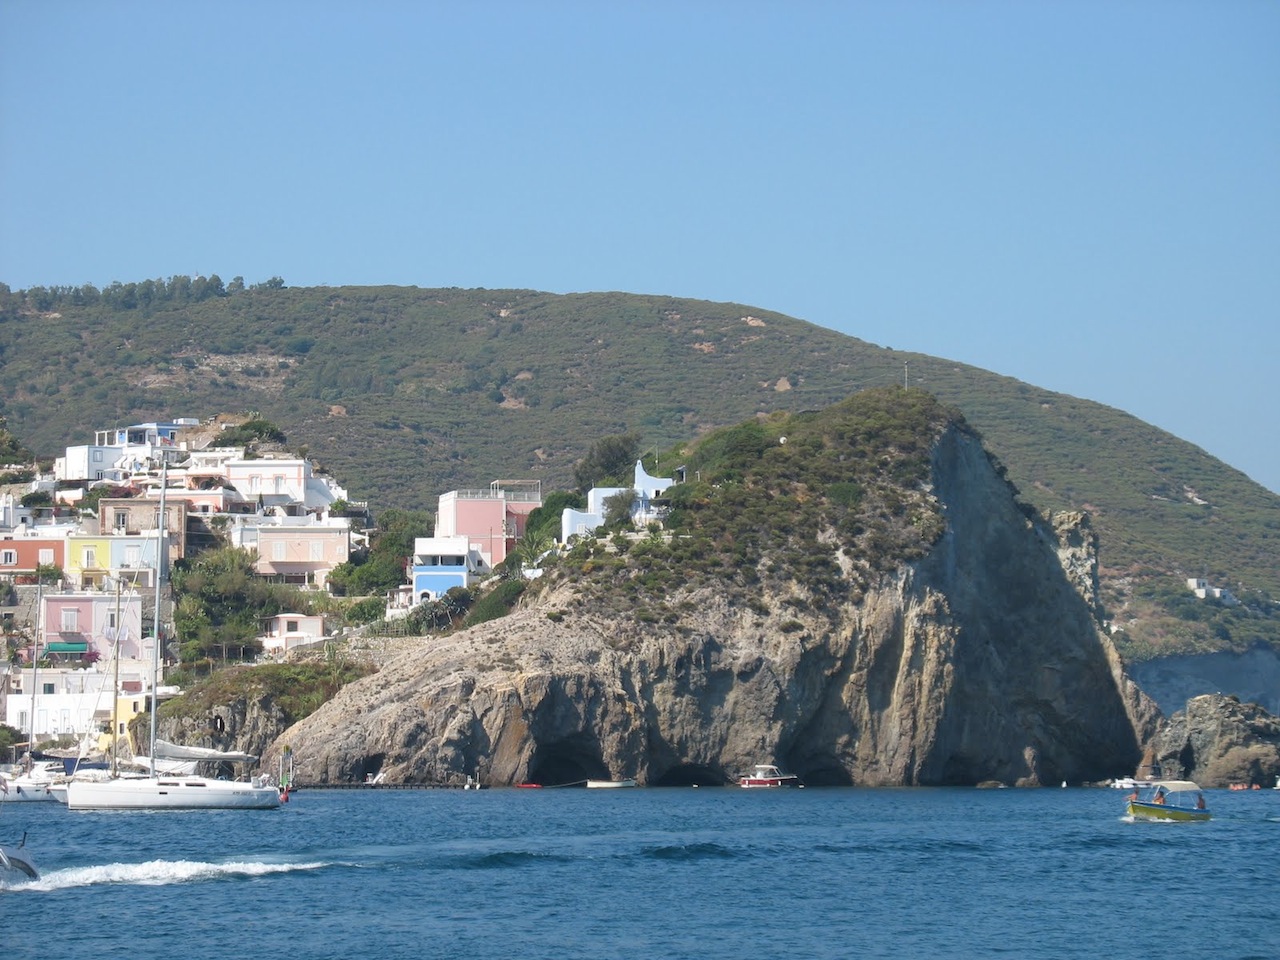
(288, 630)
(285, 480)
(644, 508)
(117, 452)
(66, 702)
(1203, 590)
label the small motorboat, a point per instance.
(767, 775)
(610, 784)
(16, 864)
(1168, 800)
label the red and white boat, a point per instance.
(767, 775)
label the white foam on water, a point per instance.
(155, 873)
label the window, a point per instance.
(111, 620)
(122, 520)
(291, 626)
(70, 620)
(47, 688)
(317, 550)
(89, 558)
(46, 556)
(133, 555)
(8, 558)
(97, 456)
(277, 550)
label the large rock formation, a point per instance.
(981, 661)
(1217, 740)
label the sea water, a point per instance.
(691, 872)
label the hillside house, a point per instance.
(439, 563)
(1203, 590)
(120, 451)
(273, 481)
(26, 548)
(71, 701)
(492, 520)
(299, 550)
(78, 622)
(646, 506)
(289, 630)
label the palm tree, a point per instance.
(533, 546)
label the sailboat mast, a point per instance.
(115, 689)
(35, 671)
(155, 653)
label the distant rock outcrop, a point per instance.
(1217, 741)
(981, 661)
(1252, 675)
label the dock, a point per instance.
(381, 786)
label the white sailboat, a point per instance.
(171, 791)
(33, 780)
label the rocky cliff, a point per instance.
(1217, 741)
(979, 659)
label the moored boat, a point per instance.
(33, 783)
(1168, 800)
(767, 775)
(173, 791)
(177, 791)
(610, 784)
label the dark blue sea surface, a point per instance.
(707, 873)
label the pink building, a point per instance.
(298, 553)
(492, 520)
(78, 622)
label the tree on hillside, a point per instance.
(250, 433)
(608, 459)
(11, 450)
(617, 510)
(382, 567)
(545, 521)
(220, 603)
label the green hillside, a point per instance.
(403, 393)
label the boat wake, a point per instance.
(155, 873)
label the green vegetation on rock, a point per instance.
(530, 381)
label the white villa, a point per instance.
(1204, 591)
(644, 508)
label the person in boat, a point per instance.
(1199, 801)
(1160, 795)
(1134, 795)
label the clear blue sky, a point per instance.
(1084, 196)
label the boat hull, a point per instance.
(752, 783)
(1155, 811)
(609, 784)
(25, 790)
(172, 793)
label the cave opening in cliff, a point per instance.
(571, 761)
(690, 775)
